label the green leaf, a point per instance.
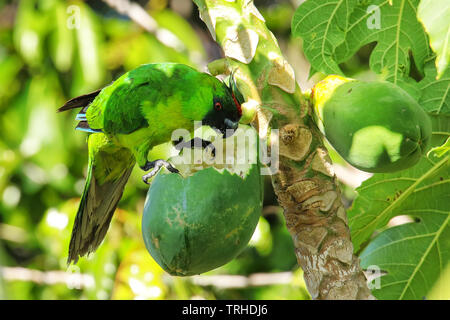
(435, 97)
(435, 16)
(322, 25)
(413, 254)
(397, 35)
(333, 31)
(385, 196)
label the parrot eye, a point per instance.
(218, 106)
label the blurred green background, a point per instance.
(53, 50)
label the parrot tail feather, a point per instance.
(81, 117)
(84, 126)
(97, 206)
(79, 102)
(82, 102)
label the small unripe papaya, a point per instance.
(375, 126)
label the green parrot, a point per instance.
(129, 117)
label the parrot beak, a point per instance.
(230, 127)
(231, 124)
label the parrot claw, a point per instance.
(156, 165)
(196, 143)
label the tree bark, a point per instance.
(305, 184)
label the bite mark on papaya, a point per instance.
(176, 228)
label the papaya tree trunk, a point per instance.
(305, 184)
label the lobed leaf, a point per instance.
(384, 196)
(435, 98)
(414, 254)
(334, 30)
(435, 16)
(323, 26)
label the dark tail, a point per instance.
(108, 172)
(80, 102)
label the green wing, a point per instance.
(108, 171)
(118, 109)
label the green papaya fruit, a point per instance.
(375, 126)
(203, 217)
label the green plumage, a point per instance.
(126, 119)
(147, 104)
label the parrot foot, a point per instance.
(156, 165)
(196, 143)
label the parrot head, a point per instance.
(226, 109)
